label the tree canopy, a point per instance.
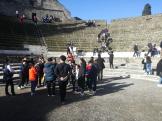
(147, 10)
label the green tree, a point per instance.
(147, 10)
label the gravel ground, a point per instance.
(117, 99)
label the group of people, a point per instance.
(50, 19)
(105, 40)
(152, 50)
(81, 76)
(21, 18)
(91, 23)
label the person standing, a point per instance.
(101, 64)
(50, 77)
(144, 63)
(95, 72)
(63, 71)
(8, 78)
(17, 13)
(32, 78)
(136, 51)
(111, 58)
(81, 75)
(24, 73)
(148, 65)
(39, 67)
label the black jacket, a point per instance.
(159, 67)
(62, 70)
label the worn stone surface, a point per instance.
(138, 30)
(117, 99)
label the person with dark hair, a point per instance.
(35, 19)
(72, 78)
(8, 78)
(111, 58)
(24, 73)
(32, 78)
(144, 62)
(136, 51)
(91, 75)
(92, 59)
(40, 73)
(63, 71)
(88, 75)
(148, 65)
(17, 13)
(50, 77)
(101, 64)
(150, 46)
(95, 73)
(81, 75)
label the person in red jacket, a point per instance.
(32, 78)
(70, 57)
(88, 74)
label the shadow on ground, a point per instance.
(23, 107)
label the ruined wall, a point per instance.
(139, 30)
(41, 7)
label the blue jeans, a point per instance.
(33, 86)
(148, 68)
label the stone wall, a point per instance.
(83, 37)
(139, 30)
(40, 7)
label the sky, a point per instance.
(109, 9)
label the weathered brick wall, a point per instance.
(139, 30)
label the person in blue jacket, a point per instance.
(50, 76)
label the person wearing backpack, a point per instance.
(50, 76)
(8, 78)
(63, 71)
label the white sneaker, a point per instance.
(22, 87)
(159, 85)
(19, 88)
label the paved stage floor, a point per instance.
(117, 99)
